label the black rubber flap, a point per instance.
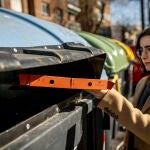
(18, 58)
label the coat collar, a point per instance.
(146, 105)
(139, 90)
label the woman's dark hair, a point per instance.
(142, 34)
(145, 32)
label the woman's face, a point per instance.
(145, 51)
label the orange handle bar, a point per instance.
(64, 82)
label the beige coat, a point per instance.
(136, 121)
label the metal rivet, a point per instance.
(28, 126)
(15, 50)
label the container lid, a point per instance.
(116, 59)
(23, 30)
(126, 48)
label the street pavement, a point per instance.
(118, 141)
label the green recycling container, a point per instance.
(116, 59)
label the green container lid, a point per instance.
(116, 59)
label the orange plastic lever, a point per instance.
(64, 82)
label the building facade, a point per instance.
(65, 12)
(50, 10)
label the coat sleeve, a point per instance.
(124, 112)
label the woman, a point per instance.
(134, 116)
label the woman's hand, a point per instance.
(99, 94)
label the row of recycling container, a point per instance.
(21, 30)
(43, 118)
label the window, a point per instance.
(45, 9)
(1, 3)
(59, 15)
(16, 5)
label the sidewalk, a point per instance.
(117, 142)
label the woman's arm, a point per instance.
(123, 111)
